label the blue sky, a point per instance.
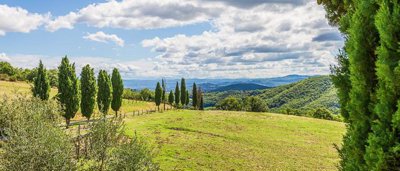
(172, 38)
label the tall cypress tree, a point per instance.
(201, 102)
(199, 96)
(164, 89)
(88, 91)
(187, 97)
(118, 90)
(158, 95)
(194, 96)
(177, 95)
(41, 85)
(383, 150)
(171, 97)
(183, 91)
(104, 92)
(68, 91)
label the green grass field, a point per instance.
(216, 140)
(10, 88)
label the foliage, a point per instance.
(187, 98)
(35, 141)
(323, 113)
(164, 89)
(118, 90)
(131, 94)
(104, 91)
(171, 98)
(41, 86)
(132, 155)
(158, 95)
(146, 94)
(254, 104)
(230, 103)
(183, 91)
(6, 68)
(177, 95)
(88, 91)
(68, 92)
(194, 96)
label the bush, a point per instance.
(34, 141)
(254, 104)
(323, 113)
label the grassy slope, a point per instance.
(11, 88)
(216, 140)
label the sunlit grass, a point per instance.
(216, 140)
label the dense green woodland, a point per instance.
(297, 98)
(368, 80)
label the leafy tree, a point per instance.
(53, 77)
(146, 94)
(6, 68)
(171, 97)
(88, 91)
(187, 97)
(229, 103)
(255, 104)
(158, 95)
(194, 96)
(183, 91)
(164, 89)
(118, 90)
(41, 86)
(177, 95)
(104, 92)
(68, 91)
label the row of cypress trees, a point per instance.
(368, 81)
(181, 96)
(73, 94)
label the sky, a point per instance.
(149, 39)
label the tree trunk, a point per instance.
(67, 121)
(116, 113)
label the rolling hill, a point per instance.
(305, 94)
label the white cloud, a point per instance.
(105, 38)
(16, 19)
(133, 14)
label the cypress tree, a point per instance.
(88, 91)
(118, 90)
(199, 96)
(183, 91)
(201, 102)
(158, 95)
(187, 97)
(104, 92)
(194, 96)
(41, 85)
(164, 89)
(177, 95)
(68, 92)
(383, 150)
(171, 97)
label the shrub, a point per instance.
(323, 113)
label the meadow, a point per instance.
(219, 140)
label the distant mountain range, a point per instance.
(219, 84)
(240, 87)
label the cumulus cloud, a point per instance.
(16, 19)
(105, 38)
(263, 41)
(132, 14)
(254, 38)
